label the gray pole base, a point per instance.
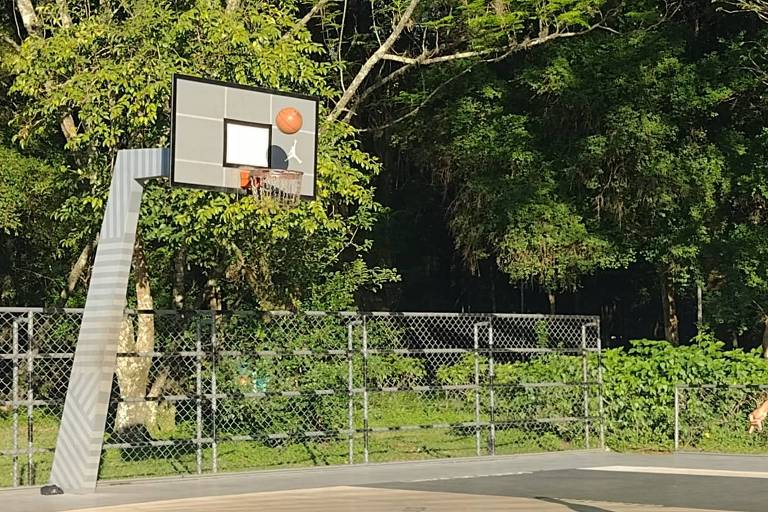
(81, 434)
(51, 490)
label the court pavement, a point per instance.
(586, 481)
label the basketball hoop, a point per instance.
(279, 185)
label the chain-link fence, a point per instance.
(204, 392)
(715, 418)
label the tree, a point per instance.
(27, 233)
(505, 199)
(596, 152)
(424, 33)
(112, 70)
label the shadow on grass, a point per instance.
(138, 437)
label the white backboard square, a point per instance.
(246, 144)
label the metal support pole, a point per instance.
(214, 410)
(492, 392)
(30, 397)
(477, 391)
(600, 386)
(350, 396)
(365, 391)
(81, 434)
(198, 394)
(16, 402)
(585, 383)
(677, 418)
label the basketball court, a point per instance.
(243, 140)
(585, 481)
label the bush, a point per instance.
(640, 382)
(638, 391)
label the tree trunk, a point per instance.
(28, 16)
(214, 294)
(765, 337)
(552, 302)
(699, 307)
(669, 309)
(179, 264)
(31, 23)
(78, 268)
(133, 371)
(68, 126)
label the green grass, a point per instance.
(386, 410)
(731, 437)
(45, 428)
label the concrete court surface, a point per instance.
(587, 481)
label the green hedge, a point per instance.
(640, 382)
(638, 391)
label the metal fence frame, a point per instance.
(206, 396)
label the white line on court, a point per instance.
(681, 471)
(469, 476)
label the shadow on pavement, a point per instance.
(573, 506)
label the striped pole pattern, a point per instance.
(81, 435)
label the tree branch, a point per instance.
(759, 7)
(8, 39)
(350, 93)
(511, 48)
(303, 21)
(78, 268)
(341, 38)
(444, 58)
(381, 83)
(422, 104)
(528, 43)
(28, 16)
(428, 58)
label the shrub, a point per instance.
(638, 391)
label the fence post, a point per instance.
(585, 382)
(351, 396)
(491, 391)
(30, 397)
(600, 385)
(214, 361)
(677, 417)
(16, 402)
(477, 391)
(365, 390)
(198, 392)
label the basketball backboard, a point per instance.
(218, 128)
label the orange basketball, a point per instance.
(289, 120)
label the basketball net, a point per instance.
(278, 185)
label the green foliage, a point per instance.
(644, 149)
(639, 384)
(29, 237)
(24, 184)
(113, 74)
(507, 205)
(638, 390)
(550, 243)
